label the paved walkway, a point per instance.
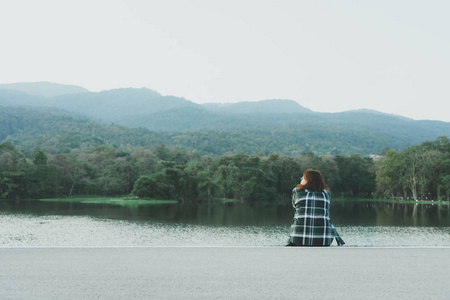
(224, 273)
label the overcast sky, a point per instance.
(329, 56)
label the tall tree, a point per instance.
(13, 169)
(72, 172)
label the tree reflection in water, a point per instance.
(361, 224)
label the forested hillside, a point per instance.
(142, 117)
(56, 132)
(108, 106)
(171, 148)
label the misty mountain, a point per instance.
(273, 126)
(116, 106)
(264, 107)
(149, 109)
(45, 89)
(56, 132)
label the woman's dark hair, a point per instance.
(314, 181)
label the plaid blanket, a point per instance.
(312, 225)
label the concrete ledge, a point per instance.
(224, 273)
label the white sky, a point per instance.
(388, 55)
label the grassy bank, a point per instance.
(122, 201)
(135, 201)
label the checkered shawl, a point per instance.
(312, 225)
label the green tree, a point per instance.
(391, 175)
(200, 184)
(444, 187)
(13, 169)
(356, 176)
(71, 172)
(155, 186)
(42, 179)
(420, 168)
(227, 179)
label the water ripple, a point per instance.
(19, 230)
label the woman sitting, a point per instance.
(312, 225)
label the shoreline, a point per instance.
(94, 199)
(218, 246)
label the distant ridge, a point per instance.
(117, 105)
(269, 106)
(371, 111)
(270, 126)
(43, 88)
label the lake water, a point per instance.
(361, 224)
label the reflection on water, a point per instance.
(226, 214)
(390, 214)
(361, 224)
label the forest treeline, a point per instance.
(161, 172)
(55, 131)
(418, 172)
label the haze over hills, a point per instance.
(273, 126)
(106, 106)
(131, 101)
(147, 108)
(45, 89)
(263, 106)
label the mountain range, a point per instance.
(274, 125)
